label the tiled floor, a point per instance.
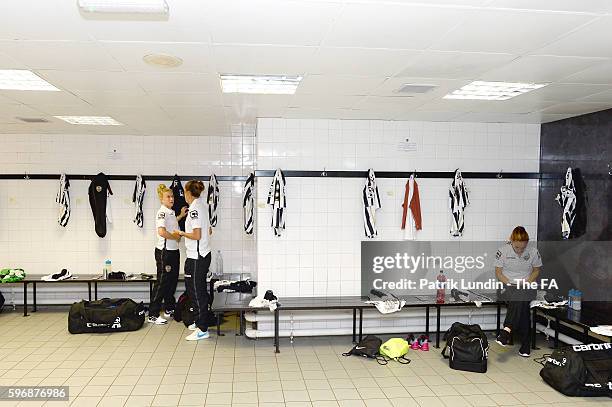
(157, 367)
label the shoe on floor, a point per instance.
(192, 327)
(157, 320)
(524, 354)
(503, 338)
(169, 314)
(525, 351)
(415, 345)
(425, 345)
(197, 335)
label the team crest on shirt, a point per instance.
(168, 268)
(98, 188)
(193, 214)
(498, 255)
(161, 215)
(526, 256)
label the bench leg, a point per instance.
(96, 291)
(360, 324)
(89, 289)
(34, 307)
(437, 326)
(557, 325)
(219, 324)
(25, 299)
(276, 331)
(354, 324)
(427, 321)
(534, 314)
(241, 324)
(498, 326)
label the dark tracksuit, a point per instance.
(196, 271)
(518, 314)
(168, 263)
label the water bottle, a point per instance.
(107, 269)
(219, 263)
(441, 292)
(570, 298)
(577, 303)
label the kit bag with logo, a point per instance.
(396, 349)
(468, 348)
(580, 370)
(184, 310)
(105, 315)
(1, 301)
(368, 347)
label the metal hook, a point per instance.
(26, 176)
(609, 169)
(324, 173)
(499, 174)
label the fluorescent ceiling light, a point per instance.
(90, 120)
(264, 84)
(493, 90)
(124, 6)
(20, 79)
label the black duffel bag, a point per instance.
(468, 348)
(106, 315)
(1, 301)
(368, 347)
(580, 370)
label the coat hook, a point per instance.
(324, 173)
(499, 174)
(26, 176)
(609, 169)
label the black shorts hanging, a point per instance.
(99, 190)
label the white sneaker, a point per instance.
(169, 314)
(192, 327)
(197, 335)
(157, 320)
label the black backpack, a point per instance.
(105, 315)
(468, 347)
(1, 301)
(184, 310)
(368, 347)
(580, 370)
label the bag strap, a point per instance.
(444, 352)
(403, 360)
(349, 353)
(382, 360)
(542, 360)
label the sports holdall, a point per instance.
(368, 347)
(396, 349)
(184, 310)
(580, 370)
(105, 315)
(468, 347)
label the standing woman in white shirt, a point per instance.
(167, 257)
(197, 264)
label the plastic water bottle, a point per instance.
(107, 269)
(441, 292)
(570, 298)
(577, 303)
(219, 263)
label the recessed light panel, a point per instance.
(260, 84)
(493, 90)
(21, 79)
(90, 120)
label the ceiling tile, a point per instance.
(11, 111)
(562, 92)
(397, 26)
(257, 59)
(324, 101)
(497, 31)
(60, 55)
(496, 118)
(590, 6)
(195, 57)
(269, 22)
(601, 73)
(360, 62)
(177, 82)
(32, 97)
(338, 85)
(539, 69)
(576, 108)
(102, 81)
(186, 99)
(392, 105)
(602, 97)
(453, 65)
(592, 40)
(442, 86)
(115, 98)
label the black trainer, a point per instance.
(525, 351)
(503, 338)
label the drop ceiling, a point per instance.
(353, 55)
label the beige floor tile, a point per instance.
(112, 401)
(429, 402)
(219, 399)
(139, 401)
(166, 400)
(321, 395)
(378, 403)
(296, 395)
(346, 394)
(506, 400)
(85, 401)
(192, 400)
(454, 401)
(371, 393)
(480, 400)
(271, 396)
(93, 391)
(420, 391)
(117, 390)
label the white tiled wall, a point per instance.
(31, 238)
(319, 252)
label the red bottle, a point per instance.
(441, 292)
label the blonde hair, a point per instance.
(161, 190)
(195, 187)
(519, 234)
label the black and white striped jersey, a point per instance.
(458, 201)
(371, 202)
(213, 200)
(63, 199)
(278, 201)
(248, 203)
(138, 198)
